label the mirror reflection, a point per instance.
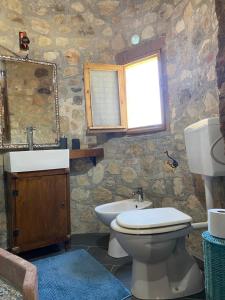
(28, 98)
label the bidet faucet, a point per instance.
(30, 142)
(140, 194)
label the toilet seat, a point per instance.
(116, 227)
(151, 221)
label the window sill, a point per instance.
(146, 129)
(130, 131)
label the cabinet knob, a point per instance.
(62, 205)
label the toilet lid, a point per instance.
(152, 218)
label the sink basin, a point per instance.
(109, 211)
(26, 161)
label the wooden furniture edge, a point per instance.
(82, 153)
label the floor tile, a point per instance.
(42, 252)
(99, 240)
(123, 273)
(50, 251)
(108, 267)
(102, 256)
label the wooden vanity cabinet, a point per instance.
(38, 209)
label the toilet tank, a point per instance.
(199, 138)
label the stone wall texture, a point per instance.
(220, 63)
(70, 33)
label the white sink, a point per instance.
(25, 161)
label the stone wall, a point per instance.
(220, 63)
(73, 32)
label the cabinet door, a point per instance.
(41, 210)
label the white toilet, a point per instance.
(155, 238)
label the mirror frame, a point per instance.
(56, 101)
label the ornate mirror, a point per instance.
(28, 98)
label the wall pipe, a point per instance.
(209, 201)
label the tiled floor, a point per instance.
(96, 245)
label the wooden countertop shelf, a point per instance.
(92, 153)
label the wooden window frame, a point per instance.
(122, 98)
(123, 59)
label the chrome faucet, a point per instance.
(140, 194)
(30, 141)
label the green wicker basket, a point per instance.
(214, 261)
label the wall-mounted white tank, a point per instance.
(200, 137)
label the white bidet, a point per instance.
(109, 211)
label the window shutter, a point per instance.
(105, 105)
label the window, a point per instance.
(125, 98)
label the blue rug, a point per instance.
(76, 275)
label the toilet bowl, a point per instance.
(109, 211)
(155, 238)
